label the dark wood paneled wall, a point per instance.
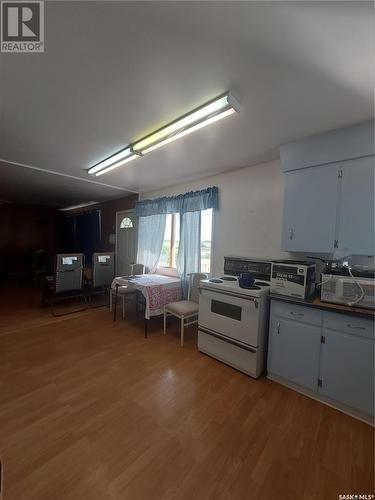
(24, 228)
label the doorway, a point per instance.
(126, 241)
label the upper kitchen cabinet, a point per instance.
(329, 192)
(310, 209)
(356, 215)
(329, 147)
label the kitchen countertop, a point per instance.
(314, 301)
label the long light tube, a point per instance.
(81, 205)
(189, 123)
(211, 112)
(118, 164)
(113, 162)
(213, 119)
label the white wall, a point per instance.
(248, 222)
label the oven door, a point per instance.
(233, 315)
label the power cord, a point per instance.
(359, 286)
(323, 282)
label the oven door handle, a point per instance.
(231, 294)
(226, 339)
(356, 327)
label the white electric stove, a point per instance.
(230, 284)
(233, 321)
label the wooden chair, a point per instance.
(185, 310)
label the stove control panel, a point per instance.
(259, 268)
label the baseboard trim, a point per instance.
(367, 419)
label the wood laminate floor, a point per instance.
(91, 410)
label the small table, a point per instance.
(158, 290)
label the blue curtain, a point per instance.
(188, 202)
(189, 250)
(152, 217)
(150, 240)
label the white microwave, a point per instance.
(346, 290)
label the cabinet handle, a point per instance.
(278, 328)
(291, 233)
(356, 327)
(296, 314)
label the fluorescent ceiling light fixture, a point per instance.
(113, 162)
(205, 115)
(82, 205)
(210, 112)
(195, 127)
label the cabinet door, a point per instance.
(356, 216)
(310, 209)
(347, 370)
(294, 351)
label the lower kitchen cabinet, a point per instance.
(347, 370)
(329, 356)
(295, 351)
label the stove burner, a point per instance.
(253, 287)
(215, 280)
(229, 278)
(262, 283)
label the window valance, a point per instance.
(182, 203)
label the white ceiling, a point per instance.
(115, 71)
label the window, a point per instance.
(206, 240)
(126, 223)
(172, 240)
